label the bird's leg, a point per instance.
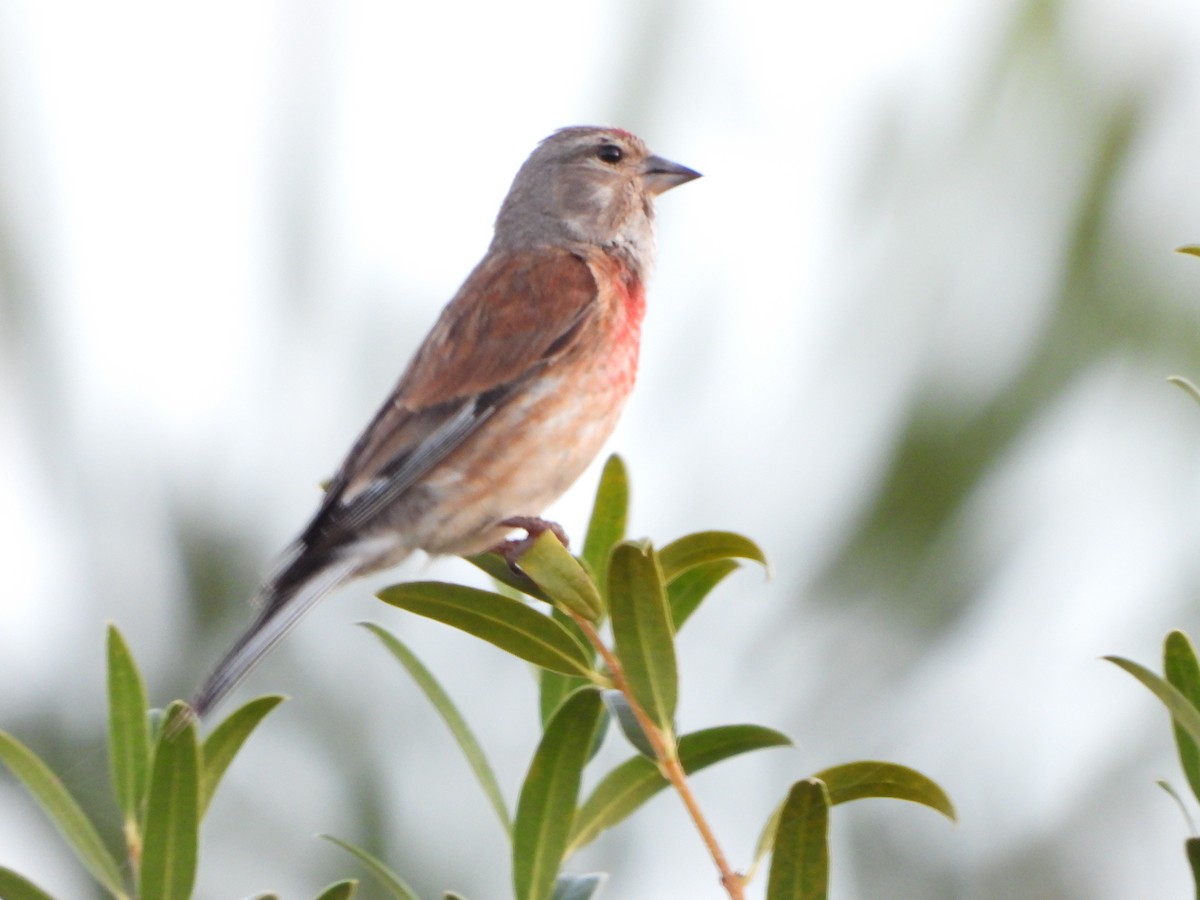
(513, 548)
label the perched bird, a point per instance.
(510, 396)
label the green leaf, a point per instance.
(63, 811)
(16, 887)
(800, 859)
(766, 839)
(1187, 386)
(128, 728)
(454, 720)
(1183, 671)
(561, 577)
(688, 590)
(633, 782)
(701, 749)
(507, 623)
(342, 890)
(223, 744)
(391, 882)
(693, 550)
(548, 796)
(867, 778)
(1174, 795)
(1185, 715)
(1192, 848)
(641, 624)
(498, 568)
(1192, 249)
(168, 869)
(578, 887)
(606, 528)
(870, 778)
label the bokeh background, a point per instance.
(910, 332)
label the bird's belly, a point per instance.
(519, 461)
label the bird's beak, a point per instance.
(659, 175)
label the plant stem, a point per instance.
(668, 763)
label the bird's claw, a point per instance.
(514, 548)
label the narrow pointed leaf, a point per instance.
(870, 778)
(387, 879)
(623, 790)
(701, 749)
(128, 728)
(1182, 670)
(1191, 249)
(63, 811)
(618, 795)
(766, 839)
(578, 887)
(342, 890)
(454, 720)
(1174, 795)
(641, 624)
(561, 577)
(502, 621)
(800, 859)
(1186, 385)
(224, 742)
(168, 870)
(17, 887)
(688, 590)
(498, 568)
(854, 781)
(705, 546)
(606, 528)
(1185, 715)
(549, 794)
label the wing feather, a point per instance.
(515, 314)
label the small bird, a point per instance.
(508, 399)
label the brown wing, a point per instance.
(514, 314)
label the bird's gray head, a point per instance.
(588, 185)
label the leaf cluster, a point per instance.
(1179, 692)
(552, 610)
(643, 595)
(163, 779)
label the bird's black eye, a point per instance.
(610, 153)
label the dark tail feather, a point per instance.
(284, 601)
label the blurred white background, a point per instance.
(910, 332)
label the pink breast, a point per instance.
(625, 328)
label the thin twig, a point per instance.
(668, 763)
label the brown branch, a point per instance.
(668, 762)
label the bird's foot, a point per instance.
(513, 548)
